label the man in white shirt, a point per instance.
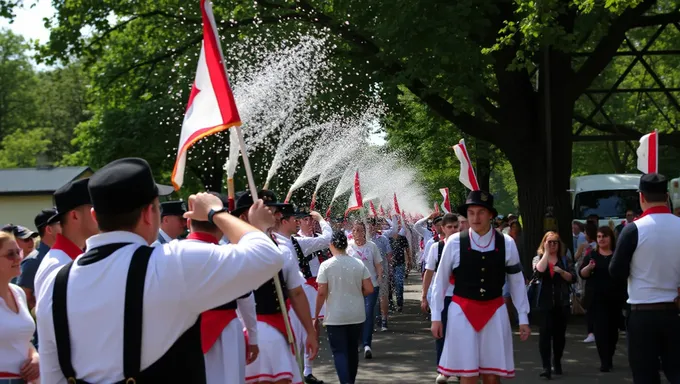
(222, 338)
(303, 250)
(173, 223)
(369, 253)
(478, 336)
(109, 316)
(73, 205)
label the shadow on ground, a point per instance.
(405, 353)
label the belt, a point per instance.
(654, 307)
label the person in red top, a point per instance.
(478, 335)
(73, 205)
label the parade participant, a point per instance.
(130, 313)
(479, 336)
(19, 361)
(276, 361)
(463, 224)
(369, 254)
(310, 227)
(449, 226)
(343, 283)
(222, 339)
(305, 251)
(383, 244)
(173, 223)
(73, 205)
(647, 255)
(48, 227)
(429, 237)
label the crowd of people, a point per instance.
(122, 288)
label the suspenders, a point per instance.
(132, 326)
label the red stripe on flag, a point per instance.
(471, 172)
(652, 155)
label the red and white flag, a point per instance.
(355, 200)
(446, 204)
(467, 172)
(313, 203)
(211, 107)
(436, 208)
(375, 214)
(396, 205)
(648, 153)
(382, 211)
(328, 213)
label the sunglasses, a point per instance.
(553, 242)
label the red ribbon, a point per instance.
(65, 245)
(655, 210)
(477, 312)
(204, 237)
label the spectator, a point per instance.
(343, 282)
(19, 361)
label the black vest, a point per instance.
(440, 249)
(480, 275)
(266, 299)
(182, 363)
(303, 261)
(230, 305)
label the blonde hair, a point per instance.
(4, 237)
(560, 252)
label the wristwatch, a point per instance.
(213, 212)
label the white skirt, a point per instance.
(275, 361)
(468, 353)
(225, 362)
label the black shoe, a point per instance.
(605, 368)
(557, 368)
(310, 379)
(546, 373)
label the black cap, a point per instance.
(173, 208)
(124, 185)
(71, 196)
(244, 200)
(480, 199)
(19, 231)
(45, 218)
(653, 183)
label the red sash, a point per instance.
(7, 375)
(65, 245)
(477, 312)
(212, 324)
(312, 282)
(276, 321)
(654, 210)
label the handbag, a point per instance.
(533, 290)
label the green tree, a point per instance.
(17, 84)
(21, 148)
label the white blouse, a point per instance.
(16, 332)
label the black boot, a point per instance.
(557, 367)
(546, 373)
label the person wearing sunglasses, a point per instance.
(19, 362)
(554, 273)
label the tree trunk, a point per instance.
(483, 168)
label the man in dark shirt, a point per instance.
(401, 262)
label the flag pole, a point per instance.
(277, 282)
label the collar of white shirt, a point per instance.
(281, 238)
(165, 235)
(114, 237)
(482, 240)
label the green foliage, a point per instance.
(21, 148)
(17, 84)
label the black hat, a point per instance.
(437, 219)
(19, 231)
(288, 210)
(480, 199)
(45, 218)
(124, 185)
(244, 200)
(224, 199)
(653, 183)
(71, 196)
(173, 208)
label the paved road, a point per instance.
(405, 353)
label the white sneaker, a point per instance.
(589, 339)
(454, 379)
(441, 379)
(368, 354)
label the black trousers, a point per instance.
(653, 344)
(552, 328)
(606, 320)
(590, 321)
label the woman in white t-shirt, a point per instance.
(343, 282)
(369, 253)
(19, 361)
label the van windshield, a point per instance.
(606, 204)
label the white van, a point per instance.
(607, 196)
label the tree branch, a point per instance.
(651, 20)
(605, 49)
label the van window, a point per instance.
(606, 204)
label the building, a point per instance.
(25, 191)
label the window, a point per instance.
(606, 204)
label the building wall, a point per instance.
(21, 210)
